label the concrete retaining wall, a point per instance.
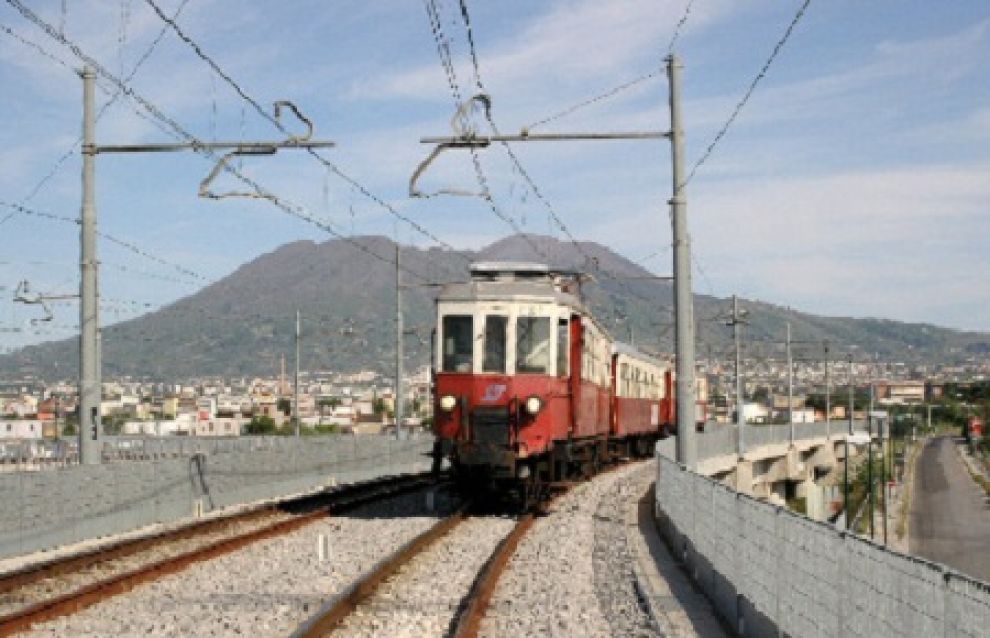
(769, 571)
(56, 506)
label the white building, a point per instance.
(20, 429)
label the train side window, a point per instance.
(563, 349)
(458, 343)
(533, 345)
(495, 328)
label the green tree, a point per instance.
(284, 406)
(378, 405)
(260, 425)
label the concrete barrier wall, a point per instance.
(720, 439)
(767, 569)
(56, 506)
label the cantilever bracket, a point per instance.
(22, 295)
(293, 139)
(223, 164)
(459, 122)
(465, 136)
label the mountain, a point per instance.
(244, 323)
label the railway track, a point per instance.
(343, 614)
(338, 616)
(64, 586)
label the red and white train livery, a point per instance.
(531, 389)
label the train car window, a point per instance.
(563, 343)
(495, 329)
(458, 343)
(533, 345)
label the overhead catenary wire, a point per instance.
(443, 50)
(679, 27)
(615, 90)
(594, 100)
(111, 238)
(103, 109)
(749, 92)
(331, 166)
(281, 203)
(465, 15)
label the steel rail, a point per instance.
(472, 611)
(333, 613)
(467, 623)
(310, 509)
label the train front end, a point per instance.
(501, 394)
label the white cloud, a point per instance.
(562, 50)
(884, 243)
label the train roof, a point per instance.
(512, 280)
(619, 347)
(514, 269)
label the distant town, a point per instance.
(364, 401)
(358, 402)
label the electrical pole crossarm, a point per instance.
(241, 148)
(482, 141)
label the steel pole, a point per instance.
(869, 475)
(845, 482)
(90, 382)
(790, 384)
(398, 338)
(883, 481)
(828, 398)
(740, 402)
(852, 395)
(687, 444)
(295, 394)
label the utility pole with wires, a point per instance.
(467, 138)
(736, 321)
(90, 375)
(295, 385)
(398, 338)
(90, 380)
(852, 395)
(790, 384)
(828, 394)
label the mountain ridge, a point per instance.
(243, 324)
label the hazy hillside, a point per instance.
(243, 324)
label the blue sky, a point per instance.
(855, 182)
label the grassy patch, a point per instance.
(902, 520)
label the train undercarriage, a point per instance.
(498, 474)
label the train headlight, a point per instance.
(533, 405)
(448, 402)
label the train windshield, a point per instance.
(533, 345)
(458, 343)
(495, 329)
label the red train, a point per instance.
(531, 389)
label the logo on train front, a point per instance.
(493, 392)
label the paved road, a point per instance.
(950, 520)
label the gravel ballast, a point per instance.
(570, 575)
(422, 599)
(265, 589)
(63, 584)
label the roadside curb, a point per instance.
(972, 468)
